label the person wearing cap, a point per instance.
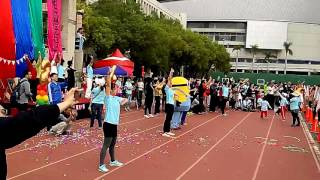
(14, 130)
(295, 103)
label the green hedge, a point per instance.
(310, 80)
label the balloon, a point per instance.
(40, 102)
(38, 97)
(46, 98)
(42, 93)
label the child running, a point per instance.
(264, 108)
(110, 125)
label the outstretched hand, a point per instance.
(69, 99)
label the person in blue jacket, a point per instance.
(54, 90)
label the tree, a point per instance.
(237, 49)
(268, 55)
(154, 42)
(254, 49)
(286, 46)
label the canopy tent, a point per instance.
(124, 65)
(105, 70)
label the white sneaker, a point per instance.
(224, 114)
(146, 116)
(103, 168)
(151, 116)
(116, 163)
(166, 135)
(171, 134)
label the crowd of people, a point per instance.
(157, 95)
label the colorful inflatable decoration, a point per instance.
(124, 65)
(42, 94)
(42, 89)
(181, 84)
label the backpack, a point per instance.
(15, 96)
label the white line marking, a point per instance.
(157, 147)
(304, 127)
(262, 152)
(206, 153)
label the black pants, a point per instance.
(202, 109)
(96, 110)
(3, 164)
(169, 113)
(108, 143)
(61, 80)
(33, 87)
(139, 98)
(270, 99)
(223, 105)
(147, 105)
(22, 107)
(295, 117)
(232, 103)
(157, 105)
(71, 84)
(213, 103)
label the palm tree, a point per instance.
(268, 55)
(237, 48)
(286, 46)
(254, 49)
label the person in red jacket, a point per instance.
(15, 130)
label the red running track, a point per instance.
(239, 146)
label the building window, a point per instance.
(315, 62)
(298, 73)
(217, 25)
(198, 25)
(229, 36)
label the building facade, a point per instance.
(153, 6)
(267, 24)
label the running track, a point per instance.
(239, 146)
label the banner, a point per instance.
(54, 28)
(7, 68)
(7, 39)
(22, 28)
(36, 19)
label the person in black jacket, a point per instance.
(15, 130)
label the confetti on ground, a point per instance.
(292, 137)
(293, 148)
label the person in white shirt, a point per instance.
(247, 105)
(89, 79)
(264, 108)
(140, 86)
(128, 87)
(270, 95)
